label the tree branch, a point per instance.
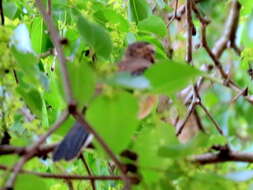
(56, 41)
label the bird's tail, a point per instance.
(72, 143)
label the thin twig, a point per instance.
(2, 12)
(211, 118)
(190, 110)
(80, 119)
(174, 15)
(64, 176)
(244, 92)
(93, 185)
(189, 31)
(20, 151)
(62, 59)
(229, 34)
(214, 158)
(210, 53)
(31, 151)
(49, 7)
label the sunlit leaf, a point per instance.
(115, 119)
(38, 36)
(138, 10)
(83, 82)
(170, 77)
(28, 182)
(153, 24)
(96, 36)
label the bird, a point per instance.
(138, 57)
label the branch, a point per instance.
(93, 185)
(41, 151)
(56, 41)
(106, 148)
(2, 12)
(210, 53)
(213, 158)
(189, 31)
(64, 176)
(211, 118)
(31, 151)
(229, 34)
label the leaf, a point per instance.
(111, 16)
(10, 9)
(169, 77)
(115, 119)
(28, 182)
(147, 146)
(38, 36)
(174, 151)
(53, 95)
(24, 55)
(247, 6)
(33, 100)
(82, 81)
(138, 10)
(96, 36)
(153, 24)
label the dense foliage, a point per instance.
(203, 55)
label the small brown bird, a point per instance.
(138, 57)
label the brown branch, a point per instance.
(2, 12)
(93, 185)
(244, 92)
(31, 151)
(188, 114)
(214, 158)
(84, 123)
(211, 118)
(210, 53)
(47, 53)
(229, 34)
(188, 6)
(179, 13)
(49, 7)
(20, 151)
(62, 59)
(174, 16)
(64, 176)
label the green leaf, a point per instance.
(96, 36)
(38, 36)
(28, 182)
(53, 96)
(33, 99)
(138, 10)
(247, 6)
(147, 146)
(115, 119)
(82, 81)
(153, 24)
(24, 55)
(169, 77)
(66, 126)
(174, 151)
(111, 16)
(10, 9)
